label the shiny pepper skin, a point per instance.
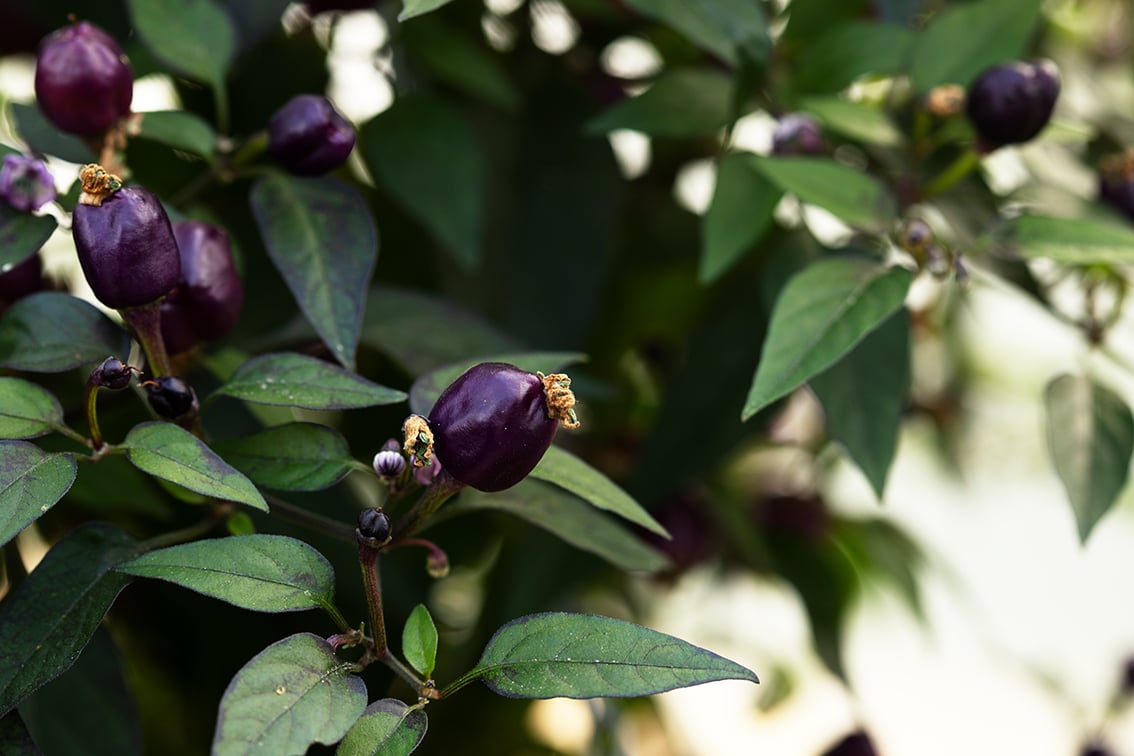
(83, 81)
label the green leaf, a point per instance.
(43, 137)
(857, 120)
(414, 8)
(852, 195)
(193, 37)
(821, 314)
(264, 573)
(172, 453)
(419, 641)
(682, 102)
(387, 728)
(1090, 434)
(567, 471)
(179, 129)
(426, 389)
(1073, 241)
(835, 59)
(425, 154)
(962, 40)
(79, 334)
(721, 27)
(21, 235)
(46, 622)
(293, 693)
(568, 517)
(15, 740)
(863, 396)
(740, 213)
(557, 654)
(321, 237)
(291, 457)
(296, 380)
(461, 60)
(27, 410)
(31, 482)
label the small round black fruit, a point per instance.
(374, 525)
(1012, 102)
(83, 81)
(170, 396)
(112, 373)
(309, 137)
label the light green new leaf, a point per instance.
(293, 693)
(1073, 241)
(172, 453)
(682, 102)
(1090, 434)
(823, 311)
(297, 380)
(27, 410)
(419, 641)
(31, 482)
(853, 196)
(387, 728)
(584, 656)
(264, 573)
(740, 213)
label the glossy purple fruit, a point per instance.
(126, 247)
(83, 81)
(1012, 102)
(493, 424)
(170, 396)
(21, 280)
(112, 373)
(309, 137)
(206, 303)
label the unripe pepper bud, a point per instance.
(309, 137)
(206, 303)
(112, 373)
(374, 525)
(389, 464)
(1011, 103)
(124, 240)
(83, 81)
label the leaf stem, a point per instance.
(91, 403)
(957, 170)
(310, 520)
(372, 583)
(145, 322)
(404, 672)
(439, 491)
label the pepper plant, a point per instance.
(263, 418)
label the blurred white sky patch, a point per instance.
(631, 58)
(358, 88)
(693, 188)
(753, 132)
(632, 151)
(554, 30)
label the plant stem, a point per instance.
(439, 491)
(145, 322)
(368, 560)
(957, 170)
(402, 671)
(91, 403)
(310, 520)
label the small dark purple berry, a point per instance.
(855, 744)
(125, 242)
(1012, 102)
(112, 373)
(493, 424)
(21, 280)
(309, 137)
(170, 396)
(389, 464)
(374, 525)
(25, 183)
(206, 303)
(83, 81)
(797, 134)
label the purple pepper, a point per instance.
(308, 137)
(493, 424)
(125, 243)
(1011, 103)
(206, 303)
(83, 81)
(21, 280)
(25, 183)
(170, 396)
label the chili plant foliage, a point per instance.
(244, 430)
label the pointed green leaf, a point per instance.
(48, 619)
(568, 517)
(857, 120)
(961, 40)
(193, 37)
(853, 196)
(740, 213)
(863, 395)
(461, 60)
(291, 457)
(721, 27)
(79, 334)
(172, 453)
(42, 136)
(179, 129)
(1073, 241)
(425, 154)
(321, 237)
(413, 8)
(264, 573)
(419, 641)
(557, 654)
(821, 314)
(293, 693)
(567, 471)
(426, 389)
(836, 58)
(31, 481)
(682, 102)
(387, 728)
(1090, 434)
(296, 380)
(21, 235)
(27, 410)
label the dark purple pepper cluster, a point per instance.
(308, 137)
(206, 302)
(83, 80)
(25, 183)
(1012, 102)
(492, 425)
(170, 397)
(125, 241)
(798, 134)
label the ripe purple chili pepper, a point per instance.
(1011, 103)
(309, 137)
(206, 303)
(83, 81)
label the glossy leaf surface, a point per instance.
(27, 410)
(291, 457)
(31, 482)
(387, 728)
(79, 334)
(419, 641)
(296, 380)
(854, 197)
(193, 37)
